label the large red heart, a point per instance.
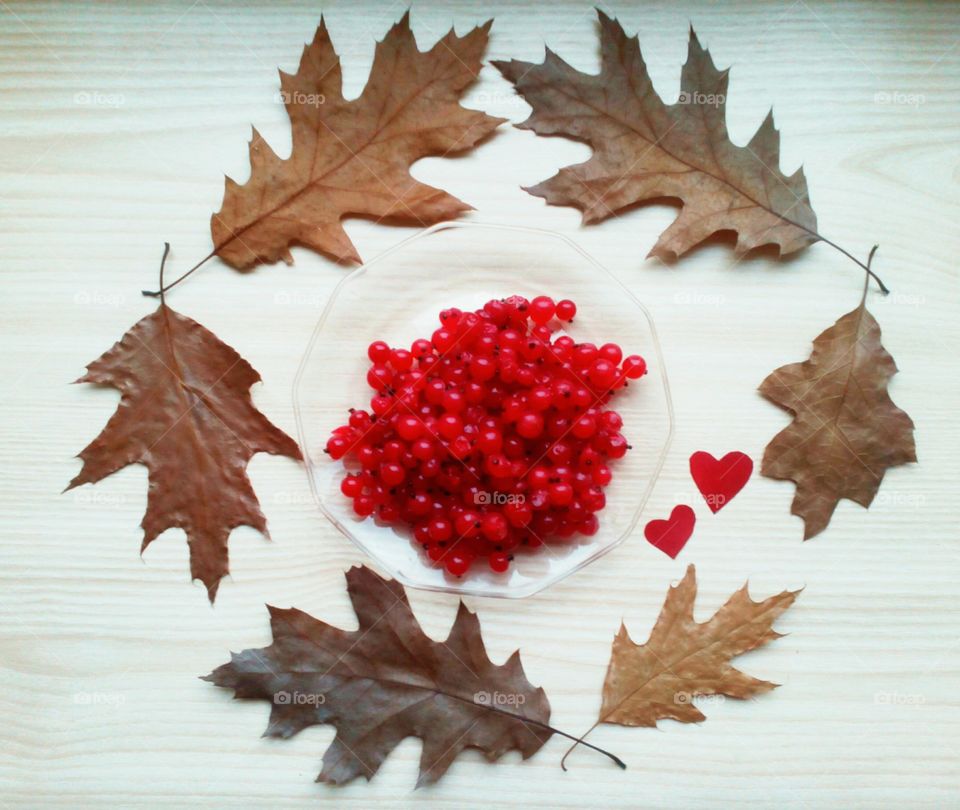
(719, 481)
(672, 534)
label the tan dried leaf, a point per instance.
(354, 157)
(846, 432)
(644, 149)
(683, 658)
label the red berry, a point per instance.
(490, 441)
(584, 427)
(401, 359)
(530, 425)
(443, 340)
(363, 505)
(421, 348)
(634, 367)
(494, 527)
(611, 352)
(392, 474)
(499, 562)
(450, 426)
(542, 309)
(458, 563)
(378, 352)
(611, 420)
(517, 513)
(409, 428)
(423, 449)
(351, 486)
(440, 529)
(602, 374)
(566, 310)
(337, 447)
(561, 494)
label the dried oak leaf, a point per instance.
(185, 413)
(354, 157)
(386, 681)
(644, 149)
(846, 431)
(684, 658)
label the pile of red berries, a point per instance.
(490, 436)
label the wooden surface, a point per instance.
(117, 124)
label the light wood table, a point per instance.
(117, 122)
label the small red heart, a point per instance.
(671, 535)
(719, 481)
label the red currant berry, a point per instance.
(560, 494)
(458, 563)
(611, 352)
(634, 367)
(409, 428)
(542, 309)
(440, 529)
(378, 352)
(351, 486)
(499, 562)
(566, 310)
(530, 425)
(494, 527)
(363, 505)
(337, 447)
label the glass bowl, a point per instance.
(396, 297)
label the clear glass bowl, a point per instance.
(396, 297)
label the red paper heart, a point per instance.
(719, 481)
(672, 534)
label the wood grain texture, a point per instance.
(117, 124)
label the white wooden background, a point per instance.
(117, 124)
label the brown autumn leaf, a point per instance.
(185, 413)
(386, 681)
(846, 432)
(683, 658)
(644, 149)
(354, 157)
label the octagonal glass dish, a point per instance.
(396, 297)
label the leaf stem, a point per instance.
(163, 264)
(866, 280)
(159, 293)
(546, 727)
(580, 741)
(883, 287)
